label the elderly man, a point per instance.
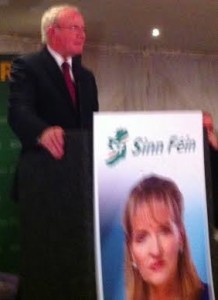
(51, 104)
(50, 91)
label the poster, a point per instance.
(128, 148)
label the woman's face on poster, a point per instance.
(155, 244)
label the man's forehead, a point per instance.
(69, 13)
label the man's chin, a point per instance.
(77, 51)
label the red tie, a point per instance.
(69, 82)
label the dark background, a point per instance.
(9, 149)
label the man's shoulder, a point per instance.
(30, 58)
(86, 70)
(84, 74)
(78, 65)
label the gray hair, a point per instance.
(49, 18)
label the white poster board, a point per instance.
(127, 148)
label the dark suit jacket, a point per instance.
(39, 97)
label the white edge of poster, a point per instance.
(97, 242)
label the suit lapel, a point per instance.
(55, 74)
(80, 82)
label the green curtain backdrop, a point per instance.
(9, 149)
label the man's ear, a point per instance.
(50, 32)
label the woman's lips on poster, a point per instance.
(157, 265)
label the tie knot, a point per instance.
(65, 66)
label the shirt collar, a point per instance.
(58, 58)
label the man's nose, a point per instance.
(81, 32)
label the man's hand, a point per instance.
(52, 139)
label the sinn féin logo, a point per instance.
(117, 146)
